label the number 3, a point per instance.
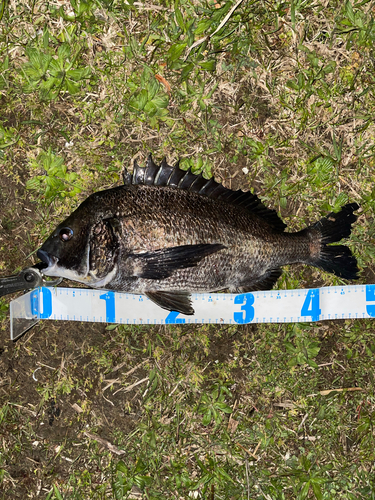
(247, 301)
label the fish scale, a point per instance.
(168, 233)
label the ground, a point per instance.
(273, 97)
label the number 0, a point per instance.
(41, 298)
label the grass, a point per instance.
(271, 96)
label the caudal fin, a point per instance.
(336, 259)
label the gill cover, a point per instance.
(83, 247)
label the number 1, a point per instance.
(109, 298)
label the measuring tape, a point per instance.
(273, 306)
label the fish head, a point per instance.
(84, 247)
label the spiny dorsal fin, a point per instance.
(166, 175)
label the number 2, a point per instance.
(172, 318)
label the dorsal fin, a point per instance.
(166, 175)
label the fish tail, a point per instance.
(336, 259)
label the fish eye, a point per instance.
(66, 234)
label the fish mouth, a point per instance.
(46, 258)
(52, 266)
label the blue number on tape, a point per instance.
(109, 298)
(311, 306)
(46, 295)
(172, 318)
(370, 297)
(247, 314)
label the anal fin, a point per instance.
(172, 301)
(265, 282)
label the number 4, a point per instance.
(370, 297)
(311, 306)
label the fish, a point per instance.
(167, 233)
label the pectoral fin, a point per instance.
(172, 301)
(160, 264)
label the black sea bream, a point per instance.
(167, 233)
